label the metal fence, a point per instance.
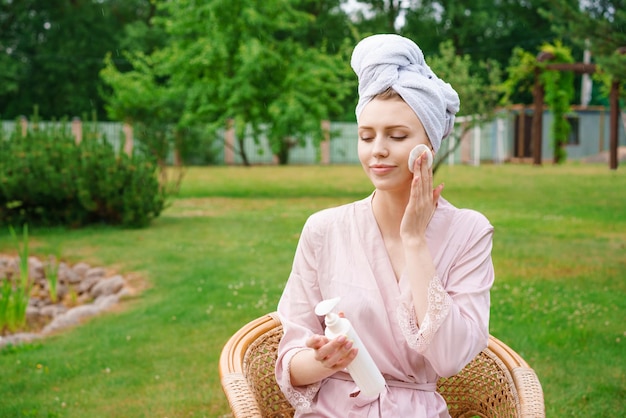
(493, 141)
(479, 144)
(112, 132)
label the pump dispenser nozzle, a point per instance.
(362, 369)
(325, 307)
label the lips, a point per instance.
(381, 168)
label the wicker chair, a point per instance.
(497, 383)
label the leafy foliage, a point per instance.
(521, 74)
(559, 88)
(479, 94)
(235, 60)
(47, 179)
(51, 52)
(15, 291)
(597, 25)
(482, 29)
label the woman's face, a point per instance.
(388, 131)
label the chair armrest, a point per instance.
(241, 399)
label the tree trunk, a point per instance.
(242, 152)
(283, 153)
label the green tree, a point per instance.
(482, 29)
(330, 27)
(598, 26)
(478, 90)
(51, 52)
(333, 31)
(239, 60)
(378, 16)
(145, 98)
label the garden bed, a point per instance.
(80, 291)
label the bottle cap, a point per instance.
(326, 306)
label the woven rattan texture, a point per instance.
(484, 388)
(531, 399)
(259, 364)
(242, 404)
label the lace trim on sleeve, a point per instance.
(300, 397)
(439, 302)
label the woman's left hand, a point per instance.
(423, 201)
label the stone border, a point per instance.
(83, 291)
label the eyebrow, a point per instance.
(387, 127)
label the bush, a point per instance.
(47, 179)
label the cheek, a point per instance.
(363, 152)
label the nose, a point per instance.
(379, 147)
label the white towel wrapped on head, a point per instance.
(392, 61)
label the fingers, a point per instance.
(426, 171)
(437, 193)
(335, 354)
(422, 177)
(316, 341)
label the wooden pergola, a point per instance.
(538, 101)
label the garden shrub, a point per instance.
(48, 179)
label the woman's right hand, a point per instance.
(335, 354)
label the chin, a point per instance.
(390, 184)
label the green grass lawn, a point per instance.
(221, 252)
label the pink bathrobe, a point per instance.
(341, 253)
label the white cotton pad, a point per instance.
(418, 151)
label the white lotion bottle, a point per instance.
(362, 369)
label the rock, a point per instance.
(40, 281)
(35, 269)
(86, 285)
(107, 287)
(71, 317)
(12, 268)
(53, 310)
(106, 301)
(124, 292)
(84, 298)
(69, 275)
(62, 290)
(81, 270)
(86, 288)
(97, 272)
(32, 312)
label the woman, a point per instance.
(413, 272)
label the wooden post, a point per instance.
(537, 124)
(521, 133)
(614, 125)
(127, 128)
(77, 130)
(24, 125)
(601, 133)
(325, 144)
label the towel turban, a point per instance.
(392, 61)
